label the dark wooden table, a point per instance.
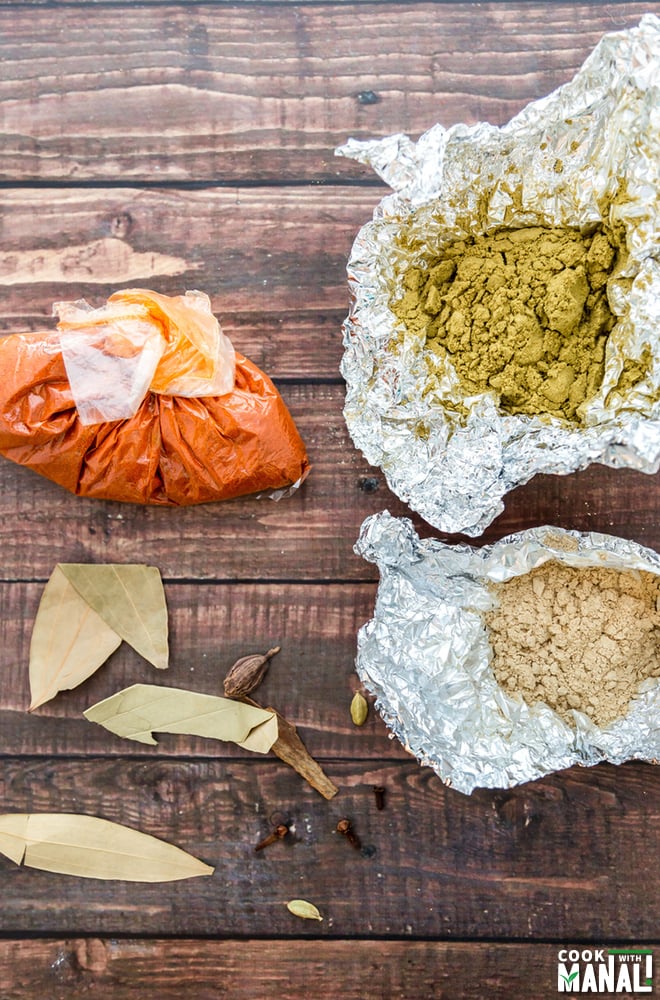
(191, 145)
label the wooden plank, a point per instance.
(70, 969)
(308, 536)
(561, 859)
(263, 3)
(272, 260)
(311, 681)
(265, 92)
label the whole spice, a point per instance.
(92, 847)
(247, 673)
(301, 908)
(359, 709)
(576, 638)
(84, 613)
(279, 833)
(291, 749)
(139, 711)
(344, 827)
(243, 677)
(521, 312)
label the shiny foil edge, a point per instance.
(604, 128)
(425, 656)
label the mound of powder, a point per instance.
(522, 312)
(576, 638)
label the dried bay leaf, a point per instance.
(301, 908)
(130, 599)
(263, 736)
(69, 641)
(138, 711)
(91, 847)
(13, 835)
(85, 612)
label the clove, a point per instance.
(278, 834)
(344, 827)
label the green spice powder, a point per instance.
(523, 312)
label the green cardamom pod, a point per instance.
(359, 709)
(301, 908)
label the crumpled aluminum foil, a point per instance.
(426, 656)
(563, 161)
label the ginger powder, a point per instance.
(576, 638)
(521, 312)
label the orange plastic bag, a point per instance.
(145, 401)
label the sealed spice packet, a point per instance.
(505, 313)
(145, 400)
(493, 688)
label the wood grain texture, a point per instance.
(274, 263)
(308, 536)
(74, 968)
(311, 681)
(188, 144)
(566, 857)
(210, 93)
(274, 258)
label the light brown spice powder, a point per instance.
(576, 638)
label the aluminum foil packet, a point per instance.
(426, 656)
(588, 153)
